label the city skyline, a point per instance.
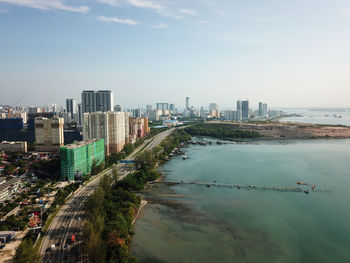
(287, 54)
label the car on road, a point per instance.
(66, 245)
(53, 247)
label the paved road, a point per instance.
(68, 220)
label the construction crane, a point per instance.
(13, 104)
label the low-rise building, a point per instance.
(13, 147)
(8, 188)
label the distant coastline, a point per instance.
(268, 130)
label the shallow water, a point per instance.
(201, 224)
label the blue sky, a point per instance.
(286, 53)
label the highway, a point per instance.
(69, 218)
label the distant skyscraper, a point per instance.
(172, 107)
(88, 101)
(239, 111)
(136, 113)
(80, 114)
(213, 106)
(148, 109)
(245, 110)
(187, 103)
(118, 108)
(261, 109)
(265, 110)
(93, 101)
(104, 100)
(71, 107)
(239, 105)
(162, 106)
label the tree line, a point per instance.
(220, 131)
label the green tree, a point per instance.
(128, 148)
(106, 183)
(9, 169)
(26, 253)
(115, 174)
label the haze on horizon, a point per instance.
(285, 53)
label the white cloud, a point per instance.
(48, 5)
(117, 20)
(146, 4)
(157, 6)
(160, 26)
(187, 11)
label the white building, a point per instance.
(109, 126)
(48, 134)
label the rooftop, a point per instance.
(80, 144)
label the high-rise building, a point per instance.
(239, 105)
(172, 107)
(213, 106)
(214, 110)
(78, 158)
(80, 114)
(265, 110)
(118, 108)
(126, 125)
(71, 108)
(88, 101)
(155, 114)
(109, 126)
(136, 113)
(162, 106)
(138, 127)
(49, 135)
(187, 103)
(93, 101)
(22, 115)
(245, 110)
(261, 109)
(104, 100)
(201, 112)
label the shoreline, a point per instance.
(278, 130)
(142, 205)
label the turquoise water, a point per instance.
(191, 223)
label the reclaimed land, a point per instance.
(268, 130)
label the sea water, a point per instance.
(193, 223)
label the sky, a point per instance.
(285, 53)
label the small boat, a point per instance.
(184, 157)
(302, 183)
(208, 185)
(306, 191)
